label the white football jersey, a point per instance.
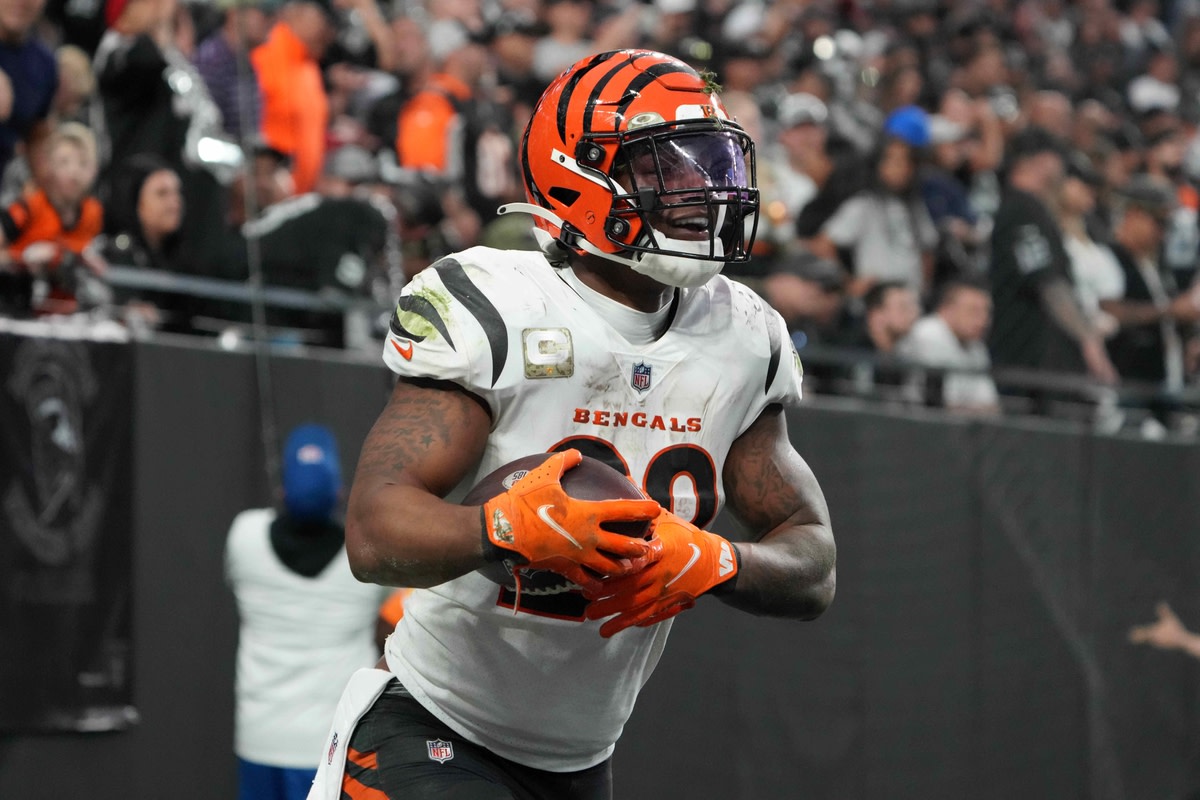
(535, 682)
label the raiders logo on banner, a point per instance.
(65, 535)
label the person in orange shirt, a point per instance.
(48, 233)
(427, 121)
(295, 107)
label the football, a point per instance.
(591, 479)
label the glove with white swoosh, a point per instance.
(549, 529)
(693, 562)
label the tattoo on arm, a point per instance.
(768, 483)
(420, 432)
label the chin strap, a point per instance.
(666, 269)
(547, 242)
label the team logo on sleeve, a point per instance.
(639, 379)
(440, 750)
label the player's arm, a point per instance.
(790, 569)
(399, 530)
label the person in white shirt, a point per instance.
(952, 339)
(306, 624)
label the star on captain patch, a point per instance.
(640, 377)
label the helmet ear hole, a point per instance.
(589, 154)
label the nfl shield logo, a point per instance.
(332, 749)
(440, 750)
(640, 379)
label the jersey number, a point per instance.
(681, 478)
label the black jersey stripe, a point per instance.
(648, 77)
(415, 304)
(464, 290)
(776, 346)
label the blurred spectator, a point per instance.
(76, 85)
(28, 80)
(411, 68)
(566, 41)
(800, 165)
(1038, 320)
(952, 339)
(513, 37)
(1051, 111)
(357, 70)
(155, 103)
(1095, 272)
(885, 228)
(295, 107)
(982, 146)
(429, 123)
(305, 622)
(48, 233)
(1158, 87)
(809, 292)
(266, 180)
(452, 130)
(1149, 345)
(891, 310)
(223, 61)
(80, 23)
(961, 233)
(147, 212)
(1164, 160)
(347, 169)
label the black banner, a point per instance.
(65, 535)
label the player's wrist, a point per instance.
(491, 551)
(728, 585)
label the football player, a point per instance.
(621, 341)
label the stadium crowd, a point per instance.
(980, 205)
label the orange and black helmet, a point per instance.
(632, 152)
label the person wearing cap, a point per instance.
(1038, 321)
(948, 200)
(305, 622)
(295, 106)
(1149, 345)
(803, 166)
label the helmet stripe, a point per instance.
(564, 100)
(648, 77)
(597, 90)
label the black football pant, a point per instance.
(400, 751)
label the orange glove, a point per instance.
(538, 520)
(693, 562)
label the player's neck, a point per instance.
(635, 326)
(620, 283)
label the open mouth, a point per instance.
(692, 227)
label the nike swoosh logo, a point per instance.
(404, 351)
(543, 513)
(691, 562)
